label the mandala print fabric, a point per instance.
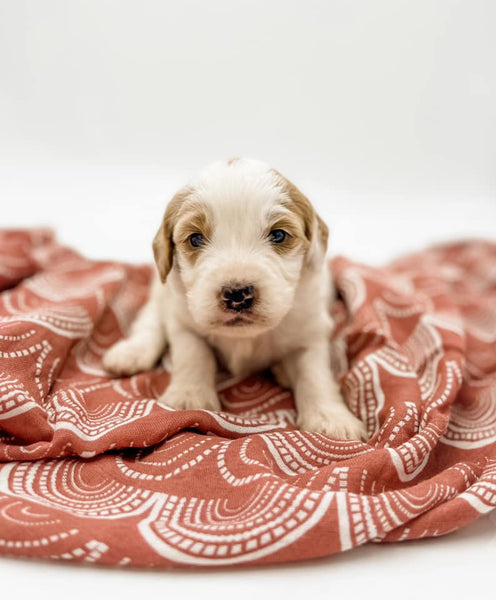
(93, 469)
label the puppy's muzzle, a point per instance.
(238, 299)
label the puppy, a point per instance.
(242, 278)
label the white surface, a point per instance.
(383, 112)
(457, 566)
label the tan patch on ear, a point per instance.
(323, 231)
(233, 160)
(301, 205)
(163, 245)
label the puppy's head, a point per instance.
(239, 237)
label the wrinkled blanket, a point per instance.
(93, 469)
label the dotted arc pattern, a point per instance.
(93, 469)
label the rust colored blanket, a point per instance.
(93, 469)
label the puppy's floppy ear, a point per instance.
(323, 232)
(163, 245)
(316, 231)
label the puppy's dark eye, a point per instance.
(196, 240)
(277, 236)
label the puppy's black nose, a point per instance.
(238, 299)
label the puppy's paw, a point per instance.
(128, 357)
(336, 421)
(190, 397)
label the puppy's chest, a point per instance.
(242, 357)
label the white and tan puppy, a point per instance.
(242, 279)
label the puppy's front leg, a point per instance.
(145, 343)
(192, 384)
(318, 400)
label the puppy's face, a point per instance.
(239, 237)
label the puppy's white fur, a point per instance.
(288, 328)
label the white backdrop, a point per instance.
(383, 112)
